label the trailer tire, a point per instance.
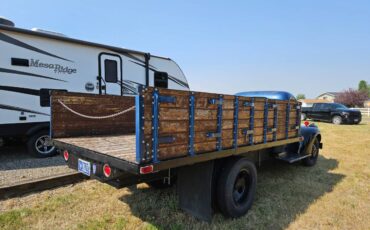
(36, 146)
(236, 187)
(311, 161)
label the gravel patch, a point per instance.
(16, 165)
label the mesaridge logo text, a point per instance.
(56, 67)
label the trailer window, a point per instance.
(111, 71)
(161, 79)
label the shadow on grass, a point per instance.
(284, 191)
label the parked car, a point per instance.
(332, 112)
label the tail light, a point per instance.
(107, 170)
(146, 169)
(66, 155)
(306, 123)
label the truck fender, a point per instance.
(309, 134)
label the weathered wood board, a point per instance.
(174, 121)
(68, 124)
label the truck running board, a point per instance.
(291, 157)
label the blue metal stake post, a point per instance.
(265, 120)
(287, 120)
(191, 123)
(251, 122)
(236, 117)
(139, 126)
(275, 121)
(155, 108)
(219, 123)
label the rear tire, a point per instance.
(337, 120)
(311, 161)
(37, 146)
(236, 187)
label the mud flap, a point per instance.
(195, 190)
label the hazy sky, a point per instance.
(305, 47)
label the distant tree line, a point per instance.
(301, 96)
(354, 98)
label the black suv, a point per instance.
(332, 112)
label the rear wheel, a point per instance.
(311, 161)
(38, 145)
(236, 187)
(337, 120)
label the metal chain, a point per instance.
(95, 117)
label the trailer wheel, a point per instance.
(38, 147)
(236, 188)
(311, 161)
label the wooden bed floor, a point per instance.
(122, 146)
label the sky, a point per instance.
(307, 47)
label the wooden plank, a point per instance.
(68, 124)
(120, 146)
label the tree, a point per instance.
(352, 98)
(301, 96)
(363, 86)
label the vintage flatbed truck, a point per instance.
(208, 143)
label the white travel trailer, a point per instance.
(33, 62)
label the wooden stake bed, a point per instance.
(169, 128)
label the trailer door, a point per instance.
(110, 74)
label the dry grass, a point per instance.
(332, 195)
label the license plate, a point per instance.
(356, 120)
(84, 167)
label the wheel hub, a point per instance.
(42, 145)
(240, 191)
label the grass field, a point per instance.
(335, 194)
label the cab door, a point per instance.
(110, 74)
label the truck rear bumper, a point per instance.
(118, 178)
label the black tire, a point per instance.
(36, 145)
(236, 187)
(160, 184)
(303, 117)
(337, 120)
(311, 161)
